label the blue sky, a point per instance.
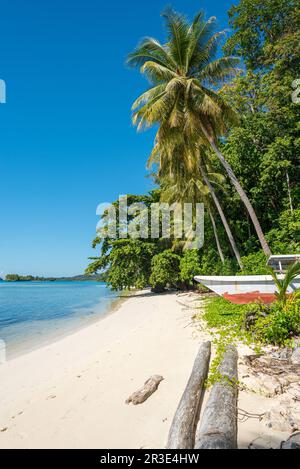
(67, 142)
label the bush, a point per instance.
(272, 324)
(228, 268)
(286, 237)
(210, 264)
(165, 270)
(254, 264)
(128, 262)
(189, 266)
(279, 325)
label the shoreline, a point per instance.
(83, 380)
(60, 328)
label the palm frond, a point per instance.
(178, 38)
(149, 95)
(156, 72)
(219, 70)
(182, 101)
(282, 285)
(151, 49)
(203, 45)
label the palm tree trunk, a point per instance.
(216, 236)
(241, 193)
(223, 218)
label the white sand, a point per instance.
(71, 394)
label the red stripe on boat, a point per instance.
(250, 297)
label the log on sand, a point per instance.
(183, 428)
(218, 427)
(146, 391)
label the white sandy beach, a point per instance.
(71, 394)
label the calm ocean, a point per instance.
(33, 314)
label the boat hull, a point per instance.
(245, 288)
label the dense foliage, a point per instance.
(274, 324)
(277, 324)
(165, 270)
(262, 147)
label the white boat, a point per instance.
(243, 289)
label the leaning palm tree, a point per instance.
(173, 192)
(216, 235)
(183, 178)
(184, 74)
(222, 215)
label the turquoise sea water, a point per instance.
(33, 314)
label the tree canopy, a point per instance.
(198, 131)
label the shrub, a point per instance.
(189, 266)
(256, 322)
(127, 264)
(228, 268)
(254, 264)
(282, 323)
(285, 238)
(165, 270)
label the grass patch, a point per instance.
(221, 313)
(255, 323)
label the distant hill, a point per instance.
(31, 278)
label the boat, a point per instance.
(243, 289)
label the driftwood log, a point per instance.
(146, 391)
(183, 428)
(218, 426)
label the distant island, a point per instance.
(31, 278)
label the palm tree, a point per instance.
(183, 99)
(283, 284)
(214, 226)
(223, 217)
(183, 178)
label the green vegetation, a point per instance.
(138, 263)
(189, 266)
(283, 284)
(182, 100)
(256, 323)
(165, 270)
(254, 264)
(127, 261)
(26, 278)
(264, 148)
(253, 323)
(226, 137)
(220, 312)
(278, 323)
(31, 278)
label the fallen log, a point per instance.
(218, 426)
(146, 391)
(183, 428)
